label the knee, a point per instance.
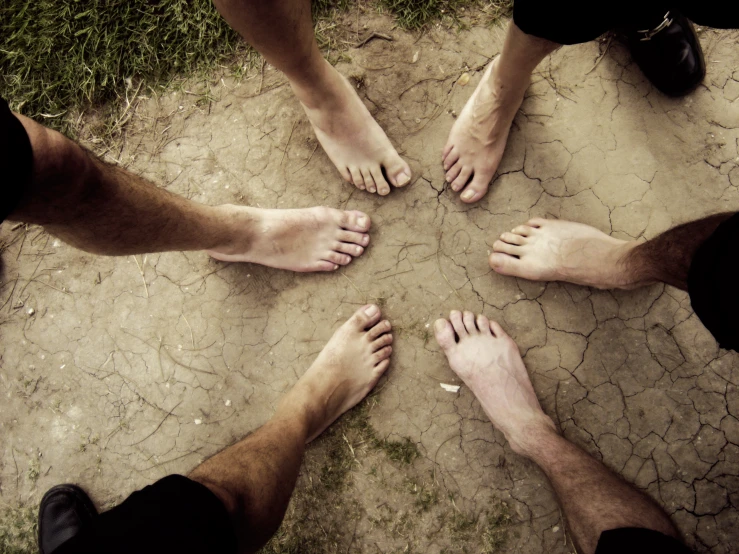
(56, 158)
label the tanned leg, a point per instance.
(282, 31)
(554, 250)
(592, 497)
(477, 140)
(104, 209)
(255, 477)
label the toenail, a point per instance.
(358, 249)
(362, 221)
(365, 239)
(468, 195)
(439, 324)
(403, 179)
(371, 310)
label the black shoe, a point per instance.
(64, 511)
(669, 54)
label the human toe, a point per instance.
(523, 230)
(354, 221)
(347, 248)
(475, 190)
(362, 239)
(382, 341)
(357, 178)
(383, 189)
(462, 179)
(455, 317)
(378, 330)
(337, 258)
(468, 318)
(365, 317)
(503, 263)
(483, 324)
(444, 333)
(453, 171)
(398, 171)
(450, 158)
(382, 354)
(513, 238)
(369, 181)
(505, 248)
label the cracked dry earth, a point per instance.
(120, 378)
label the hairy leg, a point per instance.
(554, 250)
(478, 137)
(255, 477)
(104, 209)
(592, 497)
(282, 31)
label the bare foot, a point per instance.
(489, 363)
(346, 370)
(311, 239)
(353, 140)
(553, 250)
(478, 137)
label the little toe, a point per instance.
(444, 333)
(452, 173)
(323, 265)
(381, 342)
(357, 178)
(451, 158)
(361, 239)
(379, 329)
(383, 188)
(381, 367)
(513, 238)
(398, 171)
(337, 258)
(536, 222)
(483, 324)
(455, 317)
(354, 221)
(365, 317)
(346, 175)
(504, 264)
(475, 190)
(505, 248)
(382, 354)
(462, 179)
(497, 330)
(348, 248)
(468, 318)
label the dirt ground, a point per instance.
(118, 371)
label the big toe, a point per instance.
(475, 190)
(398, 171)
(354, 221)
(365, 317)
(444, 334)
(504, 264)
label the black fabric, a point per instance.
(632, 540)
(712, 283)
(577, 21)
(174, 515)
(16, 160)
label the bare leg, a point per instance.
(478, 137)
(553, 250)
(592, 497)
(255, 477)
(106, 210)
(282, 31)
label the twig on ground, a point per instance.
(146, 287)
(371, 36)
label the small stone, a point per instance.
(198, 421)
(228, 402)
(30, 311)
(464, 79)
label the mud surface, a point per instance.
(129, 370)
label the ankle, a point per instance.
(237, 225)
(317, 85)
(528, 440)
(630, 270)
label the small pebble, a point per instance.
(198, 421)
(30, 311)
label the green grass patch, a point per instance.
(18, 530)
(59, 58)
